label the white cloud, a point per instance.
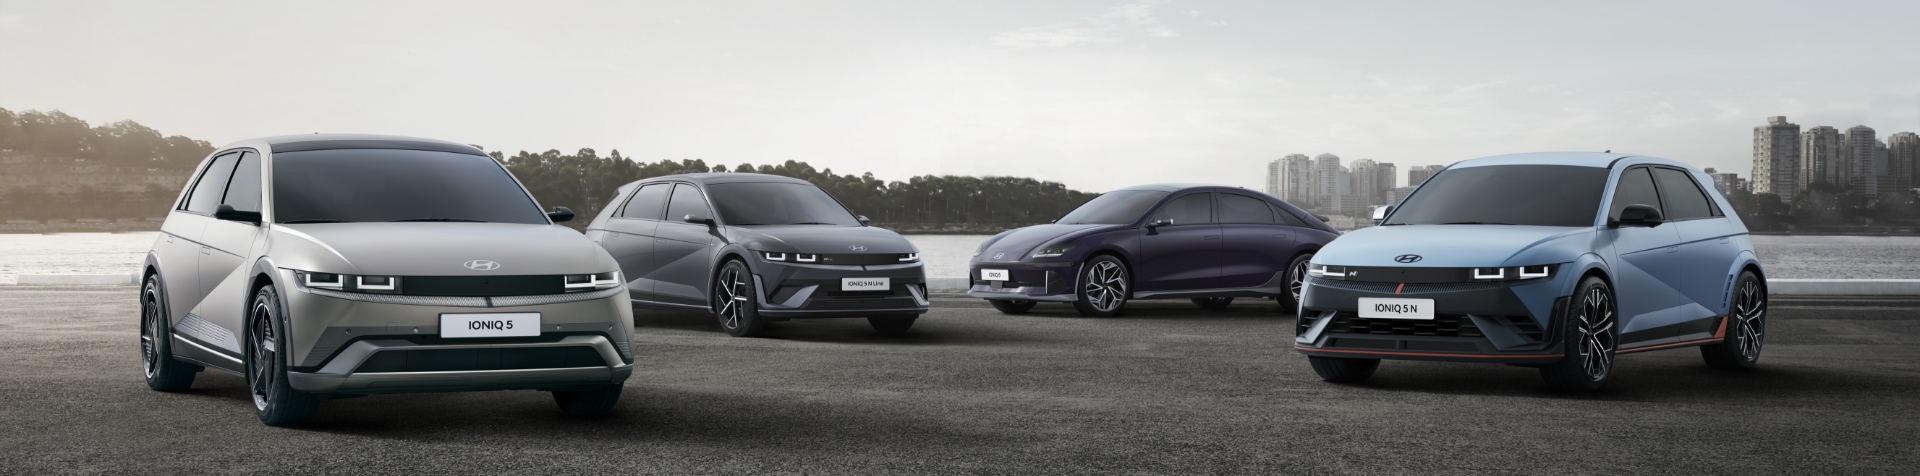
(1106, 27)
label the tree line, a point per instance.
(586, 183)
(583, 181)
(1825, 205)
(126, 143)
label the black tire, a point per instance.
(1746, 327)
(1590, 335)
(1212, 303)
(1295, 280)
(163, 373)
(733, 302)
(274, 401)
(1343, 370)
(589, 402)
(1010, 306)
(1104, 287)
(891, 326)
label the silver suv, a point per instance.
(325, 266)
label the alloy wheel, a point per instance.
(1749, 310)
(1106, 286)
(1297, 279)
(733, 297)
(150, 330)
(262, 374)
(1596, 334)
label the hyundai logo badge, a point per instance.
(1407, 258)
(856, 247)
(999, 255)
(482, 265)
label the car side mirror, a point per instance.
(560, 214)
(1056, 220)
(863, 219)
(1380, 214)
(698, 220)
(1638, 215)
(226, 212)
(1159, 223)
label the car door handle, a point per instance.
(1281, 236)
(1211, 237)
(1673, 249)
(1725, 240)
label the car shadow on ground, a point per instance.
(853, 330)
(1676, 378)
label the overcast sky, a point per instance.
(1096, 94)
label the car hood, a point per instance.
(1454, 246)
(1018, 242)
(821, 239)
(436, 249)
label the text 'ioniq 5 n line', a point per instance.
(752, 248)
(1553, 260)
(331, 265)
(1207, 243)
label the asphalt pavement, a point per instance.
(1165, 388)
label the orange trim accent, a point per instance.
(1425, 354)
(1396, 291)
(1722, 332)
(1669, 346)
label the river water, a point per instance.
(1821, 257)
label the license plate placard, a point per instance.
(502, 324)
(994, 275)
(865, 284)
(1395, 308)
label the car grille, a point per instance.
(452, 360)
(1454, 325)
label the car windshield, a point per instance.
(373, 185)
(1113, 208)
(1539, 195)
(775, 203)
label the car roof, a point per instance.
(1174, 187)
(1579, 159)
(304, 142)
(725, 177)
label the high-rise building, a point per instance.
(1861, 166)
(1326, 178)
(1821, 157)
(1386, 177)
(1291, 179)
(1395, 195)
(1776, 158)
(1903, 159)
(1416, 175)
(1725, 182)
(1365, 181)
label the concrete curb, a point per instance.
(77, 279)
(1782, 287)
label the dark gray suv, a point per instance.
(752, 248)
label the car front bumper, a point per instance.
(1473, 322)
(793, 290)
(353, 343)
(1050, 282)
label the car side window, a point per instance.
(1191, 209)
(1635, 188)
(1235, 208)
(205, 198)
(1287, 217)
(687, 200)
(1683, 197)
(647, 202)
(243, 193)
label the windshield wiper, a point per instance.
(441, 219)
(312, 220)
(1474, 223)
(812, 223)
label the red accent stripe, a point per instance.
(1426, 354)
(1722, 333)
(1396, 291)
(1669, 346)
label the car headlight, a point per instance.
(1327, 272)
(1052, 251)
(1514, 273)
(591, 282)
(910, 258)
(779, 257)
(349, 282)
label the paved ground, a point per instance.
(1165, 389)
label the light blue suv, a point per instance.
(1552, 260)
